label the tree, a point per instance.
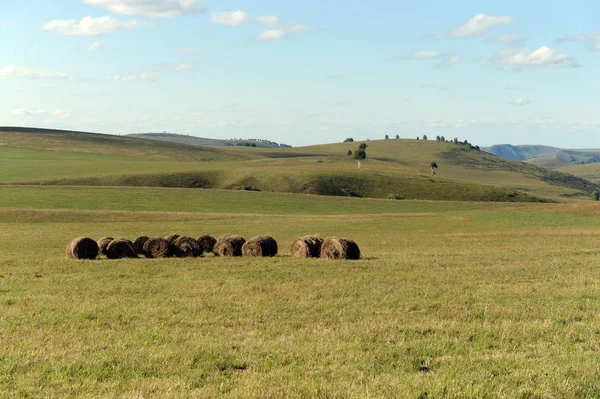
(417, 138)
(438, 138)
(442, 138)
(455, 140)
(387, 137)
(596, 195)
(349, 153)
(397, 136)
(360, 154)
(433, 165)
(349, 140)
(424, 137)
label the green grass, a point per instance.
(394, 168)
(452, 300)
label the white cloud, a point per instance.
(268, 20)
(479, 25)
(95, 46)
(425, 55)
(32, 113)
(508, 38)
(446, 59)
(524, 59)
(16, 72)
(151, 8)
(89, 26)
(593, 37)
(183, 67)
(434, 123)
(232, 18)
(271, 35)
(520, 101)
(146, 75)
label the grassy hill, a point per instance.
(204, 142)
(544, 156)
(394, 168)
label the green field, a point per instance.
(451, 299)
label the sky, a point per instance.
(306, 72)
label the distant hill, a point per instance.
(395, 169)
(545, 156)
(205, 142)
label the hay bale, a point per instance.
(103, 244)
(157, 247)
(260, 246)
(306, 247)
(207, 243)
(186, 247)
(339, 248)
(138, 244)
(172, 238)
(229, 245)
(82, 248)
(120, 248)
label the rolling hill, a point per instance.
(204, 142)
(545, 156)
(394, 168)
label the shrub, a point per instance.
(349, 140)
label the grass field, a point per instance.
(450, 300)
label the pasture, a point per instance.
(449, 300)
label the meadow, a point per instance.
(449, 300)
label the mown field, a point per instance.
(450, 300)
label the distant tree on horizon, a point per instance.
(397, 136)
(387, 137)
(424, 137)
(349, 140)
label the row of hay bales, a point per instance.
(179, 246)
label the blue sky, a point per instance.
(306, 72)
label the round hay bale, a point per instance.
(138, 244)
(120, 248)
(260, 246)
(157, 247)
(306, 247)
(172, 238)
(187, 247)
(82, 248)
(103, 244)
(339, 248)
(207, 243)
(229, 245)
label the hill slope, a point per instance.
(393, 168)
(544, 156)
(204, 142)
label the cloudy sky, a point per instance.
(306, 72)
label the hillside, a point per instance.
(396, 169)
(545, 156)
(204, 142)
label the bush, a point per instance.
(387, 137)
(395, 197)
(349, 140)
(397, 136)
(596, 195)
